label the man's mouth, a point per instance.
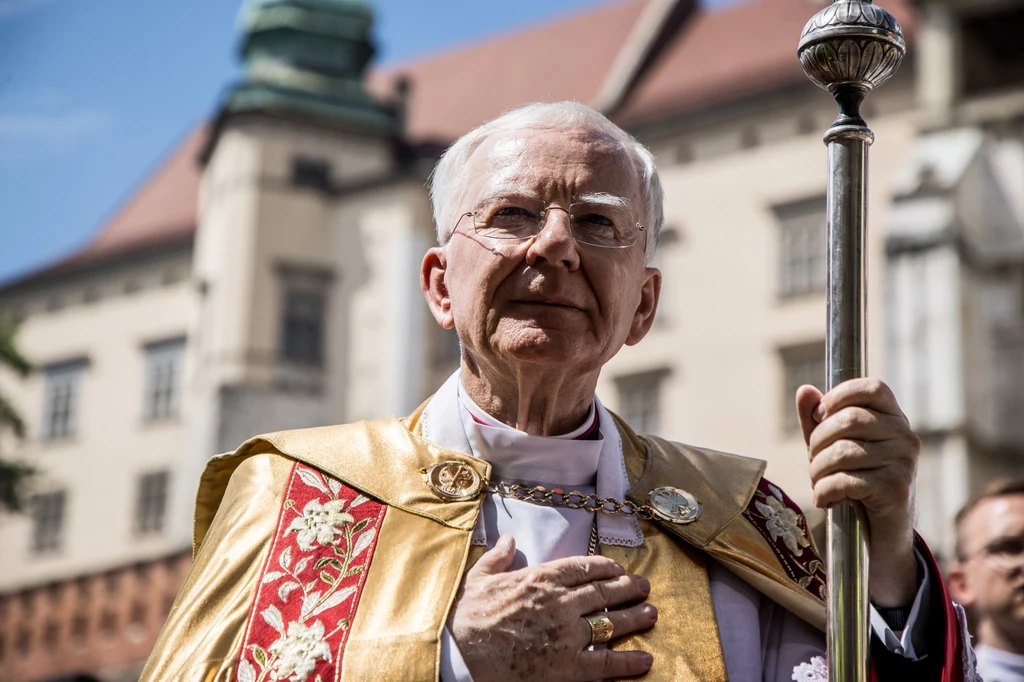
(548, 302)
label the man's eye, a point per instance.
(595, 220)
(1006, 548)
(512, 212)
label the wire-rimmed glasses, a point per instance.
(1003, 554)
(608, 224)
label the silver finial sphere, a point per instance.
(851, 43)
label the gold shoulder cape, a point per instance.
(321, 554)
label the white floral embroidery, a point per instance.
(814, 671)
(298, 653)
(330, 541)
(782, 522)
(774, 490)
(320, 522)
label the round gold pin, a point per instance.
(674, 505)
(453, 481)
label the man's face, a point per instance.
(991, 578)
(548, 299)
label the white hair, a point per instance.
(448, 181)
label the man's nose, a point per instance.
(554, 243)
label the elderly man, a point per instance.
(463, 542)
(988, 577)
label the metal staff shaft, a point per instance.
(846, 358)
(848, 48)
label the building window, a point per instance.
(163, 379)
(108, 622)
(312, 173)
(993, 52)
(449, 351)
(137, 617)
(640, 400)
(302, 339)
(152, 503)
(51, 635)
(802, 256)
(60, 406)
(79, 626)
(23, 640)
(47, 510)
(803, 364)
(113, 583)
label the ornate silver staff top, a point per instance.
(848, 48)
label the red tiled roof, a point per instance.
(718, 55)
(457, 90)
(725, 54)
(163, 208)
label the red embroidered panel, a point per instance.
(310, 586)
(779, 520)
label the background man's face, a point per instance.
(550, 299)
(991, 580)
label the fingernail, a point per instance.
(645, 585)
(647, 659)
(650, 611)
(819, 412)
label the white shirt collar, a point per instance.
(442, 424)
(519, 457)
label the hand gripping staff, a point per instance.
(848, 48)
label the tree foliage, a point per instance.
(14, 476)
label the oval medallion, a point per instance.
(453, 481)
(674, 505)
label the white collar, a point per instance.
(442, 423)
(519, 457)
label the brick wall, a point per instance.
(103, 625)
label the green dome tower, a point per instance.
(308, 58)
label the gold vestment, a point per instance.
(396, 603)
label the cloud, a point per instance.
(13, 8)
(60, 128)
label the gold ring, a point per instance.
(601, 628)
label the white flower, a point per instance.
(782, 522)
(815, 671)
(320, 522)
(298, 653)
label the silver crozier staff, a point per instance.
(848, 48)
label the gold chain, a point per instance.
(592, 545)
(538, 494)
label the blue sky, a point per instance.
(93, 93)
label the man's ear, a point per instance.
(960, 586)
(643, 317)
(432, 272)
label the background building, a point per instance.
(266, 275)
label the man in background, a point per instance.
(988, 577)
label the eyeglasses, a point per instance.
(1003, 553)
(606, 225)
